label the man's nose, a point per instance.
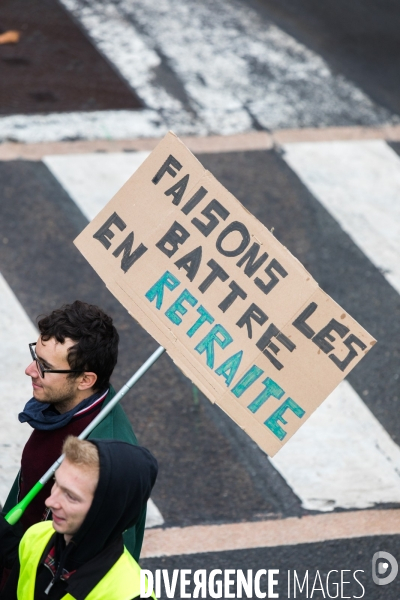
(32, 370)
(52, 501)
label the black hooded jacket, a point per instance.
(127, 476)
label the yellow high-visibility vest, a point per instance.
(122, 582)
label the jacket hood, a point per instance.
(126, 478)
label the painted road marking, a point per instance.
(134, 55)
(358, 182)
(234, 67)
(342, 457)
(15, 387)
(91, 180)
(154, 517)
(106, 124)
(254, 140)
(201, 68)
(310, 529)
(240, 142)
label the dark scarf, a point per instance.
(43, 415)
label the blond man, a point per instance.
(99, 491)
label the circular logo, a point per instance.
(384, 568)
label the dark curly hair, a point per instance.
(96, 347)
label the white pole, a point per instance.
(108, 408)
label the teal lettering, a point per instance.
(229, 368)
(271, 389)
(277, 417)
(157, 291)
(177, 307)
(247, 380)
(204, 317)
(217, 334)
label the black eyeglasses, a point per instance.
(41, 368)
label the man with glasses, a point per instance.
(71, 365)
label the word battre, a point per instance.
(250, 259)
(231, 583)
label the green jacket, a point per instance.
(114, 426)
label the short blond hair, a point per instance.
(81, 452)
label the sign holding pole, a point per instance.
(235, 310)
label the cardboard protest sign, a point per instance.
(235, 310)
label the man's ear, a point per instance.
(87, 380)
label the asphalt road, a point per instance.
(358, 39)
(54, 67)
(308, 561)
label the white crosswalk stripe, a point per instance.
(15, 388)
(358, 182)
(91, 180)
(106, 124)
(262, 74)
(211, 67)
(342, 457)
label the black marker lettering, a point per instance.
(207, 228)
(255, 313)
(167, 168)
(217, 272)
(177, 190)
(252, 264)
(236, 292)
(129, 259)
(320, 338)
(104, 234)
(175, 236)
(194, 200)
(352, 339)
(190, 263)
(274, 265)
(265, 341)
(243, 231)
(300, 322)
